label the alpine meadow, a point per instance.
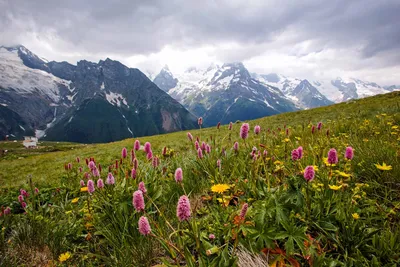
(317, 187)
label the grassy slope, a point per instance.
(46, 168)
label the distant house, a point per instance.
(30, 142)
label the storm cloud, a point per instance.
(359, 36)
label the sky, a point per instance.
(313, 39)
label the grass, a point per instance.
(347, 216)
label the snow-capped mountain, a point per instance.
(301, 92)
(89, 102)
(224, 93)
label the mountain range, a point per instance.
(88, 102)
(107, 101)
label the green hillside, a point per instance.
(348, 215)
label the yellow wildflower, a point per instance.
(355, 216)
(327, 163)
(383, 167)
(365, 140)
(298, 138)
(84, 189)
(335, 187)
(75, 200)
(395, 127)
(377, 133)
(343, 174)
(219, 188)
(277, 162)
(64, 257)
(286, 140)
(68, 212)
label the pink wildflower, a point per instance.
(144, 226)
(218, 125)
(183, 208)
(135, 164)
(295, 155)
(149, 155)
(230, 126)
(178, 175)
(138, 200)
(142, 187)
(90, 185)
(110, 179)
(219, 164)
(20, 198)
(208, 149)
(36, 190)
(78, 159)
(155, 162)
(300, 151)
(91, 165)
(211, 236)
(203, 146)
(7, 211)
(257, 129)
(124, 153)
(95, 172)
(244, 130)
(349, 153)
(309, 173)
(319, 126)
(200, 121)
(23, 204)
(313, 129)
(136, 146)
(147, 147)
(133, 173)
(200, 153)
(190, 136)
(236, 146)
(332, 156)
(100, 183)
(82, 183)
(244, 210)
(196, 145)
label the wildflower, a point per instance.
(196, 145)
(203, 145)
(142, 187)
(69, 166)
(92, 165)
(295, 155)
(155, 162)
(309, 173)
(300, 151)
(287, 131)
(23, 204)
(23, 192)
(343, 174)
(244, 130)
(149, 155)
(211, 236)
(219, 164)
(335, 187)
(95, 172)
(147, 147)
(133, 155)
(124, 153)
(220, 188)
(208, 149)
(313, 129)
(265, 153)
(20, 198)
(7, 211)
(286, 140)
(200, 153)
(200, 121)
(64, 257)
(133, 173)
(244, 210)
(332, 156)
(355, 216)
(383, 167)
(183, 208)
(257, 129)
(190, 136)
(80, 169)
(136, 146)
(327, 132)
(100, 183)
(138, 200)
(218, 125)
(178, 175)
(90, 186)
(84, 189)
(75, 200)
(110, 179)
(144, 226)
(236, 146)
(135, 164)
(349, 153)
(319, 126)
(164, 151)
(230, 126)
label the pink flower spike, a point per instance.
(230, 126)
(138, 200)
(218, 125)
(200, 153)
(78, 159)
(190, 136)
(90, 185)
(147, 147)
(300, 151)
(349, 153)
(133, 173)
(208, 149)
(236, 146)
(20, 198)
(309, 173)
(142, 187)
(144, 226)
(295, 154)
(332, 156)
(82, 183)
(257, 129)
(136, 146)
(100, 183)
(219, 164)
(149, 155)
(244, 131)
(313, 129)
(196, 145)
(319, 126)
(178, 175)
(124, 153)
(183, 208)
(211, 236)
(110, 179)
(200, 121)
(36, 190)
(135, 164)
(7, 211)
(23, 204)
(92, 165)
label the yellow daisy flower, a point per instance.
(335, 187)
(343, 174)
(84, 189)
(355, 216)
(383, 167)
(219, 188)
(64, 257)
(75, 200)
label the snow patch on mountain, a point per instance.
(116, 99)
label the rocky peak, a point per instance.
(165, 80)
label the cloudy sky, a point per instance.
(311, 39)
